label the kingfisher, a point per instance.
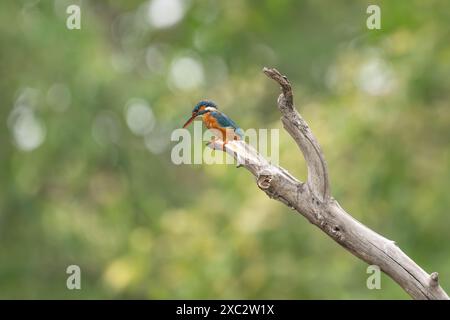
(214, 119)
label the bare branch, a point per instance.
(299, 130)
(312, 200)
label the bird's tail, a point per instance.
(240, 133)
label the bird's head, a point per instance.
(201, 108)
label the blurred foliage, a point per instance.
(86, 175)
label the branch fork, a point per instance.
(313, 200)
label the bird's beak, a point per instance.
(194, 115)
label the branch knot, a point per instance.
(434, 279)
(264, 181)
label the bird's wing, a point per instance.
(226, 122)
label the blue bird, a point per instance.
(214, 119)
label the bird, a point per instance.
(215, 119)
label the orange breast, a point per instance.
(210, 121)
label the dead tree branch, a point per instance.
(312, 199)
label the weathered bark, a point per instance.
(313, 200)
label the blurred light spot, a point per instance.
(28, 131)
(139, 116)
(178, 222)
(401, 41)
(186, 73)
(105, 129)
(376, 78)
(157, 141)
(119, 274)
(165, 13)
(28, 97)
(155, 60)
(59, 97)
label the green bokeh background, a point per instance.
(79, 187)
